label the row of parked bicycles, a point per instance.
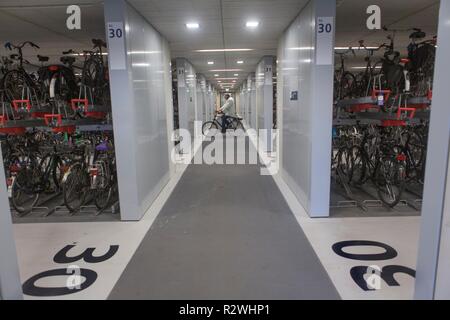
(70, 89)
(390, 158)
(47, 159)
(381, 118)
(389, 79)
(80, 168)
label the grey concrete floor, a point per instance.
(226, 232)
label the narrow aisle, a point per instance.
(226, 232)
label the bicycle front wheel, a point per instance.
(75, 187)
(209, 128)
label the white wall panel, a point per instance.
(139, 104)
(187, 94)
(264, 98)
(306, 120)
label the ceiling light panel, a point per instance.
(252, 24)
(192, 25)
(223, 50)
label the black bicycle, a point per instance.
(18, 83)
(210, 128)
(39, 173)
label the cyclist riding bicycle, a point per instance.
(228, 110)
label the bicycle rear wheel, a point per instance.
(75, 187)
(23, 196)
(103, 186)
(390, 181)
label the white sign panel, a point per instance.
(324, 40)
(116, 46)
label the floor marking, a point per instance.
(38, 243)
(402, 233)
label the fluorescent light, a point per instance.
(232, 78)
(219, 81)
(236, 74)
(192, 25)
(144, 52)
(252, 24)
(223, 50)
(210, 62)
(225, 70)
(239, 62)
(227, 90)
(140, 64)
(216, 75)
(301, 49)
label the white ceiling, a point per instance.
(222, 25)
(399, 14)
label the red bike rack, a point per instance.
(363, 107)
(74, 103)
(10, 130)
(95, 114)
(17, 103)
(3, 119)
(393, 123)
(386, 93)
(48, 118)
(401, 109)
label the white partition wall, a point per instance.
(187, 94)
(201, 98)
(305, 80)
(140, 77)
(251, 101)
(433, 262)
(264, 99)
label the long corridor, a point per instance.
(226, 232)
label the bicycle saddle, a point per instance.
(99, 43)
(67, 60)
(42, 58)
(417, 35)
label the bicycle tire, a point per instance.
(392, 182)
(23, 197)
(208, 126)
(75, 187)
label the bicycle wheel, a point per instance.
(359, 166)
(14, 84)
(75, 187)
(103, 186)
(23, 196)
(344, 165)
(209, 129)
(390, 178)
(237, 124)
(348, 85)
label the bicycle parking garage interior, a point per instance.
(223, 149)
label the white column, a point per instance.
(10, 287)
(433, 263)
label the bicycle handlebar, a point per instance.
(11, 46)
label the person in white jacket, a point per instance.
(228, 110)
